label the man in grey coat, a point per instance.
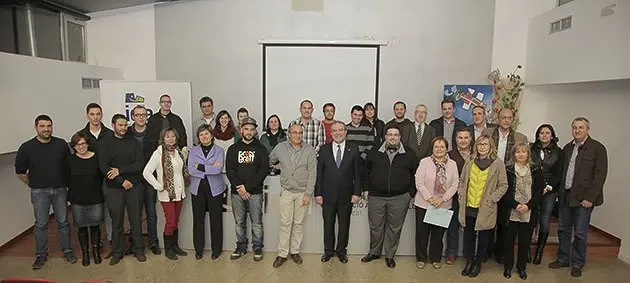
(298, 162)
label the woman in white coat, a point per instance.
(169, 163)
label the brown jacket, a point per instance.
(493, 191)
(591, 168)
(513, 138)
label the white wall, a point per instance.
(124, 39)
(594, 49)
(603, 103)
(28, 87)
(31, 86)
(213, 44)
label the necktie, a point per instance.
(338, 157)
(419, 134)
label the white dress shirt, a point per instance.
(335, 147)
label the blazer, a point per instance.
(425, 182)
(155, 165)
(591, 168)
(514, 137)
(411, 140)
(438, 125)
(471, 127)
(338, 185)
(212, 173)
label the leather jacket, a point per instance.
(551, 165)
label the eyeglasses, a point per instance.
(483, 144)
(81, 144)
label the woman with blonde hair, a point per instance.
(482, 184)
(525, 189)
(169, 162)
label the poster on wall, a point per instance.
(466, 97)
(122, 96)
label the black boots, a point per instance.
(475, 268)
(467, 268)
(83, 242)
(168, 247)
(176, 247)
(95, 236)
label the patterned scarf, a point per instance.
(168, 174)
(440, 177)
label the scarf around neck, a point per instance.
(440, 176)
(168, 174)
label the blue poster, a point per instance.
(466, 97)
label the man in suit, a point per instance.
(583, 177)
(447, 125)
(418, 135)
(338, 186)
(504, 138)
(479, 122)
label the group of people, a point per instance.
(499, 186)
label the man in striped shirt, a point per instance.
(313, 129)
(359, 134)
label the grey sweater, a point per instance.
(299, 167)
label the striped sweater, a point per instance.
(361, 137)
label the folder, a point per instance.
(438, 216)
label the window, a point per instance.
(47, 29)
(563, 2)
(13, 30)
(75, 41)
(561, 25)
(90, 83)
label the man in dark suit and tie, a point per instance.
(338, 186)
(419, 135)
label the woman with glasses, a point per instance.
(482, 184)
(85, 193)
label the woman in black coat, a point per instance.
(547, 155)
(525, 188)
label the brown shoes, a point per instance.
(279, 261)
(297, 259)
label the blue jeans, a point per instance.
(150, 199)
(546, 209)
(240, 208)
(452, 235)
(570, 218)
(42, 199)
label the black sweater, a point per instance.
(85, 181)
(93, 142)
(122, 153)
(247, 164)
(45, 163)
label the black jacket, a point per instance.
(144, 145)
(338, 185)
(385, 179)
(247, 164)
(154, 127)
(507, 202)
(551, 165)
(591, 170)
(438, 125)
(94, 142)
(122, 153)
(411, 140)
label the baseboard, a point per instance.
(616, 240)
(20, 236)
(623, 257)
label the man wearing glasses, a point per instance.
(138, 130)
(164, 119)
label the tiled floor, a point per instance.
(160, 269)
(16, 260)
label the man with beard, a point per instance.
(247, 164)
(121, 161)
(400, 109)
(390, 184)
(41, 164)
(329, 119)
